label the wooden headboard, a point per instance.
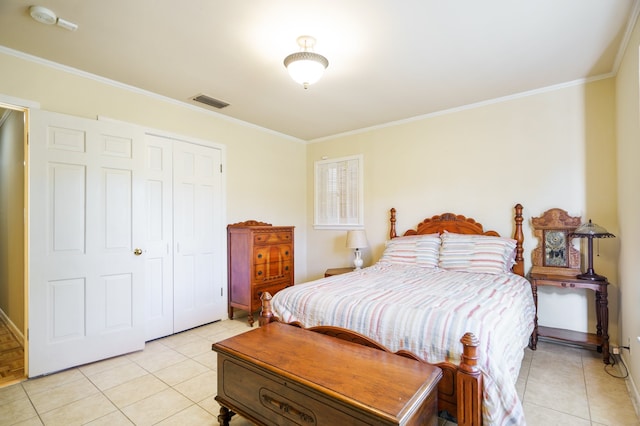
(463, 225)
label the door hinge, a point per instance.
(220, 167)
(221, 292)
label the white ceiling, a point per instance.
(389, 60)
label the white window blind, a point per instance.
(338, 193)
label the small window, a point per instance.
(339, 198)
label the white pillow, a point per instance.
(477, 253)
(420, 250)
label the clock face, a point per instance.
(555, 248)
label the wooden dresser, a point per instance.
(285, 375)
(260, 258)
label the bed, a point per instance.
(448, 293)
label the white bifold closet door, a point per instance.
(185, 260)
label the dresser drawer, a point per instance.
(270, 272)
(275, 253)
(274, 237)
(276, 400)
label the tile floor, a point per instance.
(173, 382)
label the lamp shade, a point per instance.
(357, 239)
(590, 229)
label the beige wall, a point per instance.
(265, 171)
(11, 219)
(550, 149)
(628, 135)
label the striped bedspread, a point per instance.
(427, 311)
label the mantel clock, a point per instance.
(555, 253)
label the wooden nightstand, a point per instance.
(337, 271)
(600, 339)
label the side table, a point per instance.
(337, 271)
(600, 339)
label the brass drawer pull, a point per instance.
(286, 408)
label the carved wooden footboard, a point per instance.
(459, 389)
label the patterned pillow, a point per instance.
(421, 250)
(477, 253)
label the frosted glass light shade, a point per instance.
(306, 67)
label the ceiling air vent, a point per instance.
(208, 100)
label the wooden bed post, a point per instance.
(518, 268)
(392, 219)
(266, 314)
(469, 383)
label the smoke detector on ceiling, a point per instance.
(43, 15)
(48, 17)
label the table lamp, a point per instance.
(357, 239)
(590, 231)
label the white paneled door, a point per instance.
(199, 260)
(158, 237)
(86, 271)
(185, 236)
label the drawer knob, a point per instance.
(260, 256)
(259, 272)
(286, 252)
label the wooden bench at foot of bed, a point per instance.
(459, 389)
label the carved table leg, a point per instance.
(533, 340)
(599, 319)
(225, 416)
(604, 318)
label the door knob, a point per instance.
(137, 252)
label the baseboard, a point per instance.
(632, 388)
(17, 333)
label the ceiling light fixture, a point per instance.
(306, 67)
